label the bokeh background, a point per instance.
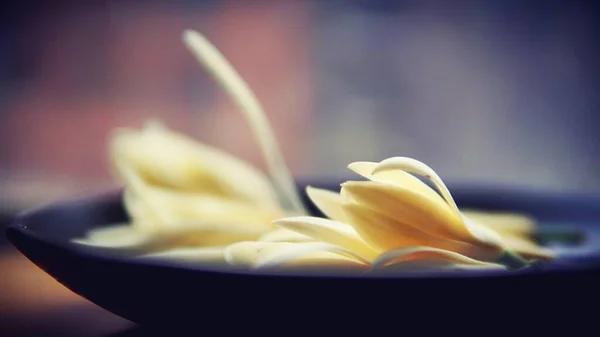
(501, 92)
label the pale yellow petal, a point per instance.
(403, 255)
(235, 177)
(198, 233)
(330, 203)
(397, 177)
(205, 256)
(162, 161)
(254, 254)
(143, 217)
(182, 234)
(285, 235)
(167, 208)
(171, 160)
(113, 233)
(345, 197)
(179, 207)
(303, 257)
(312, 254)
(411, 165)
(385, 233)
(248, 254)
(484, 234)
(504, 222)
(193, 219)
(121, 236)
(146, 211)
(412, 209)
(331, 232)
(324, 263)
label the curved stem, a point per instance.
(216, 64)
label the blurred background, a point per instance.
(483, 91)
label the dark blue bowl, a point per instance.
(155, 293)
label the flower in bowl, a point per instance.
(188, 200)
(394, 218)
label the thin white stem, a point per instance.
(239, 91)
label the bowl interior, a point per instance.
(169, 294)
(571, 216)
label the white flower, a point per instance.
(193, 202)
(181, 193)
(394, 218)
